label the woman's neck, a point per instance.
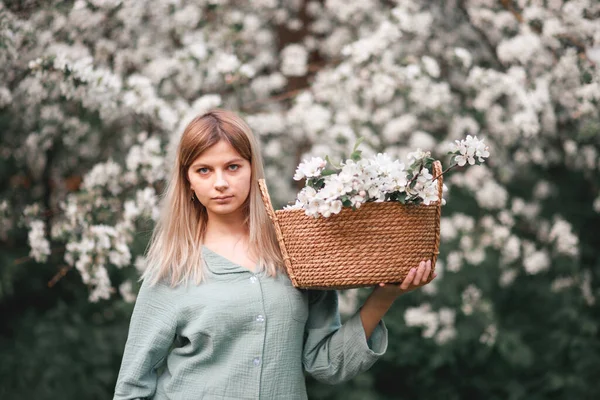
(225, 228)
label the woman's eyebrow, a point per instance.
(234, 160)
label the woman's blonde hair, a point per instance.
(175, 248)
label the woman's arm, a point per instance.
(333, 352)
(151, 333)
(383, 296)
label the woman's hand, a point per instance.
(415, 278)
(383, 295)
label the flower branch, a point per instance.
(329, 187)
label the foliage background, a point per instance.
(93, 95)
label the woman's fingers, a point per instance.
(409, 279)
(420, 272)
(427, 271)
(416, 276)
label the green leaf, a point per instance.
(319, 183)
(358, 142)
(315, 183)
(416, 165)
(327, 172)
(332, 163)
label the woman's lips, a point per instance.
(222, 198)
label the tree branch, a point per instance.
(486, 41)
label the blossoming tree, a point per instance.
(93, 96)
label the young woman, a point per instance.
(216, 313)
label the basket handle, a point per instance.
(437, 174)
(264, 192)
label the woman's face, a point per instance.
(220, 178)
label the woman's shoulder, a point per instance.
(161, 288)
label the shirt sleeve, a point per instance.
(333, 352)
(151, 332)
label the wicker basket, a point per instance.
(379, 242)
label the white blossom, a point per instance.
(227, 63)
(418, 155)
(564, 239)
(101, 284)
(464, 56)
(5, 96)
(488, 337)
(125, 289)
(294, 60)
(310, 168)
(491, 195)
(438, 325)
(536, 262)
(511, 250)
(562, 283)
(521, 48)
(422, 316)
(507, 277)
(83, 91)
(454, 261)
(471, 298)
(470, 150)
(40, 246)
(431, 66)
(104, 175)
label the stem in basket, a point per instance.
(415, 176)
(443, 172)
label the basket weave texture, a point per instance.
(379, 242)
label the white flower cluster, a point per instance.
(534, 260)
(438, 325)
(471, 150)
(146, 203)
(521, 90)
(376, 179)
(472, 300)
(145, 161)
(99, 245)
(126, 290)
(488, 337)
(294, 58)
(358, 182)
(104, 175)
(96, 88)
(310, 169)
(565, 241)
(40, 246)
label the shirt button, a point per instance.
(253, 279)
(256, 361)
(260, 318)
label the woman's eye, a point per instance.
(234, 167)
(203, 170)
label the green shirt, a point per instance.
(240, 335)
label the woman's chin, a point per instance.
(224, 209)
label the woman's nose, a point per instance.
(221, 183)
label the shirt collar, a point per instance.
(217, 264)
